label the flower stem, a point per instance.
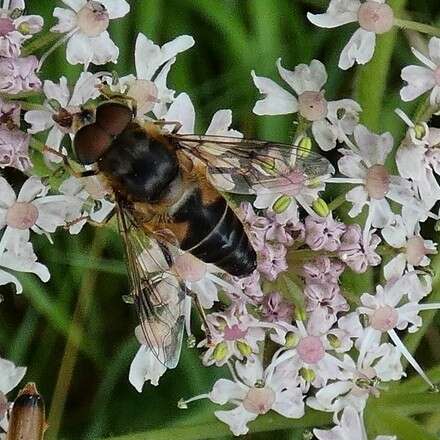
(416, 26)
(337, 202)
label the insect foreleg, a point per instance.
(162, 123)
(202, 314)
(66, 159)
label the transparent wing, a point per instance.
(243, 166)
(157, 293)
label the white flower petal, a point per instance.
(358, 196)
(104, 50)
(225, 390)
(7, 194)
(289, 403)
(304, 78)
(325, 134)
(66, 20)
(76, 5)
(182, 110)
(164, 94)
(6, 278)
(351, 165)
(434, 50)
(395, 267)
(85, 89)
(10, 375)
(382, 214)
(59, 92)
(79, 49)
(339, 12)
(53, 140)
(145, 367)
(276, 100)
(373, 148)
(420, 80)
(116, 8)
(237, 419)
(31, 188)
(40, 120)
(359, 49)
(220, 123)
(149, 56)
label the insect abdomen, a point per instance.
(215, 234)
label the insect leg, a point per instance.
(202, 315)
(78, 174)
(109, 94)
(177, 125)
(104, 222)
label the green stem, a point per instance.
(337, 202)
(418, 27)
(215, 429)
(38, 43)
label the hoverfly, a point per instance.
(166, 187)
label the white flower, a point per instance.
(200, 278)
(85, 25)
(331, 121)
(89, 195)
(422, 79)
(381, 363)
(16, 30)
(19, 256)
(153, 64)
(61, 109)
(32, 210)
(418, 159)
(311, 357)
(364, 166)
(405, 236)
(374, 17)
(350, 427)
(10, 377)
(255, 392)
(394, 307)
(145, 367)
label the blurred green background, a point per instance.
(76, 335)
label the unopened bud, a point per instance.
(307, 374)
(282, 204)
(292, 340)
(321, 207)
(24, 28)
(244, 348)
(419, 131)
(220, 351)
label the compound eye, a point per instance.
(90, 143)
(113, 117)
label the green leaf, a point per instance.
(386, 422)
(212, 428)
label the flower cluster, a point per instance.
(290, 333)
